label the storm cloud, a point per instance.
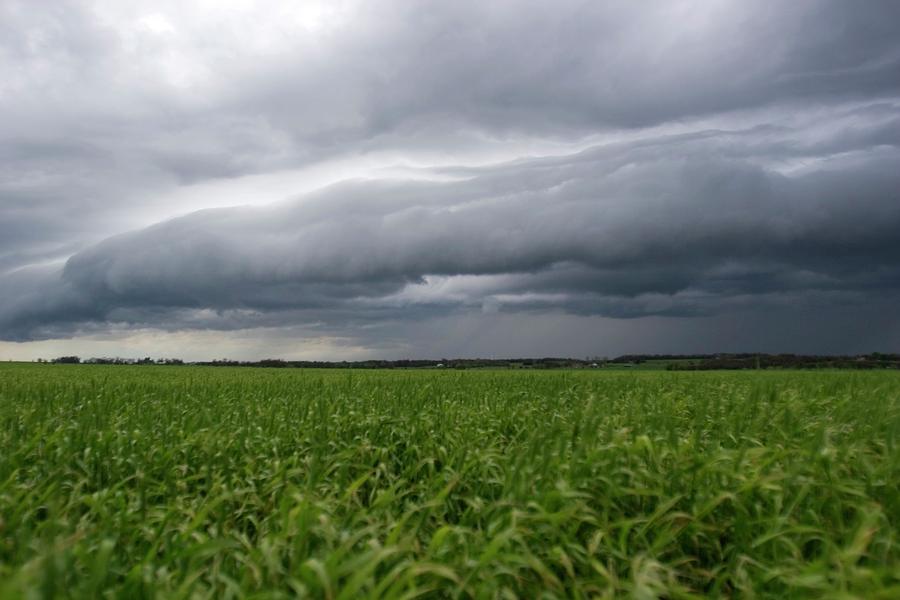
(344, 167)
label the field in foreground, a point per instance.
(201, 482)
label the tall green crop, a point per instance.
(181, 482)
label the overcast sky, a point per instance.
(346, 180)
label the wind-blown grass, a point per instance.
(189, 482)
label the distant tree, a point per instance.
(67, 360)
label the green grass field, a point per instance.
(183, 482)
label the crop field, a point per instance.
(190, 482)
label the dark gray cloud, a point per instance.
(701, 160)
(629, 230)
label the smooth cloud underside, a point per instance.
(703, 159)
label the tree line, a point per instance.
(672, 362)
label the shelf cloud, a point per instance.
(617, 163)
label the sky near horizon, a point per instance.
(348, 180)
